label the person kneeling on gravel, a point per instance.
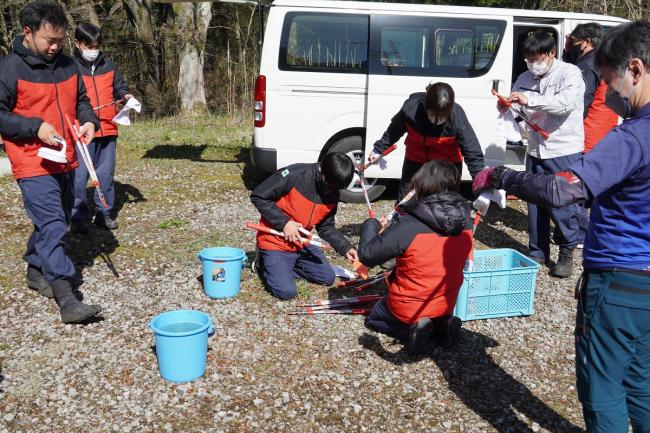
(300, 196)
(39, 85)
(431, 240)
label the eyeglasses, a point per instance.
(536, 60)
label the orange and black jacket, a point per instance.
(297, 193)
(426, 142)
(431, 241)
(104, 84)
(33, 91)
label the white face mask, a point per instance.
(90, 55)
(538, 68)
(437, 120)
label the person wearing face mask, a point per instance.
(39, 86)
(579, 50)
(437, 129)
(106, 87)
(300, 196)
(613, 315)
(551, 94)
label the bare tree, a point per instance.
(191, 25)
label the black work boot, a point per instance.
(389, 265)
(79, 227)
(420, 336)
(36, 281)
(72, 311)
(105, 221)
(447, 331)
(564, 266)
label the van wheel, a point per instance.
(353, 148)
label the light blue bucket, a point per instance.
(222, 270)
(182, 343)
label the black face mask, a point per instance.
(572, 55)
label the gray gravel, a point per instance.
(266, 371)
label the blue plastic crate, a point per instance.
(500, 284)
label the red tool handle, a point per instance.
(502, 99)
(262, 228)
(536, 128)
(384, 153)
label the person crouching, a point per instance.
(300, 196)
(431, 240)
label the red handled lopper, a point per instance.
(85, 155)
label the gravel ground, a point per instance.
(266, 371)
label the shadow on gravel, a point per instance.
(251, 176)
(84, 249)
(125, 193)
(493, 237)
(482, 384)
(2, 378)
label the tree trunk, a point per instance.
(139, 12)
(192, 20)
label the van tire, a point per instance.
(353, 145)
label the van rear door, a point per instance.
(408, 52)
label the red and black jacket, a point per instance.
(297, 193)
(431, 240)
(33, 91)
(426, 142)
(104, 84)
(598, 118)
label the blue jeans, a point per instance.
(47, 201)
(279, 270)
(613, 351)
(102, 153)
(566, 218)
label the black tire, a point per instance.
(353, 147)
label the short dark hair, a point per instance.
(35, 14)
(623, 43)
(337, 170)
(88, 33)
(591, 31)
(435, 177)
(539, 42)
(439, 99)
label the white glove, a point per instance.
(376, 158)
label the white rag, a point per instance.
(122, 118)
(507, 127)
(482, 203)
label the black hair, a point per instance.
(35, 14)
(88, 34)
(439, 99)
(539, 42)
(623, 43)
(591, 31)
(435, 177)
(337, 170)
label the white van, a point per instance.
(333, 74)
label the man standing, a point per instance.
(39, 86)
(551, 94)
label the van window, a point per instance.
(321, 42)
(422, 46)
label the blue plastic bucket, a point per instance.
(181, 343)
(222, 270)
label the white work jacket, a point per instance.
(555, 103)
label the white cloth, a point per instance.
(122, 118)
(507, 127)
(555, 104)
(374, 156)
(341, 272)
(482, 203)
